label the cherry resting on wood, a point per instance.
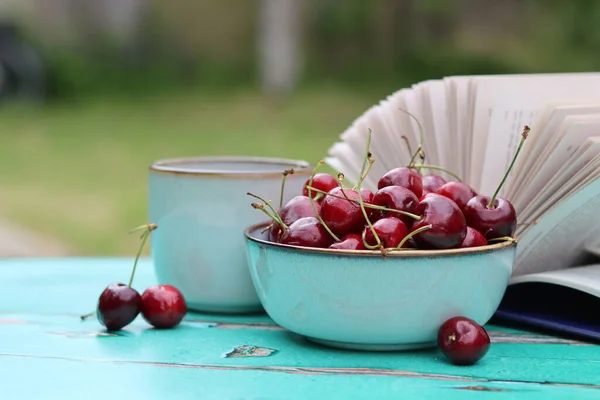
(390, 231)
(458, 192)
(163, 306)
(308, 232)
(463, 341)
(296, 208)
(118, 305)
(339, 214)
(497, 221)
(448, 225)
(404, 177)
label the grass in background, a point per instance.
(78, 172)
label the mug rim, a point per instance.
(175, 166)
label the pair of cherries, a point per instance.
(162, 306)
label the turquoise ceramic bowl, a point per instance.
(201, 207)
(358, 300)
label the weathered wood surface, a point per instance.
(46, 352)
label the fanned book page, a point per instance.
(471, 126)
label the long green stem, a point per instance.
(523, 137)
(312, 202)
(267, 203)
(420, 166)
(275, 217)
(411, 234)
(284, 176)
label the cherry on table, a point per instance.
(163, 306)
(296, 208)
(448, 225)
(458, 192)
(463, 341)
(402, 176)
(307, 232)
(118, 305)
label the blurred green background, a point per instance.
(116, 84)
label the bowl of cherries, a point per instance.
(419, 262)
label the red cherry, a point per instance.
(390, 231)
(296, 208)
(321, 181)
(118, 306)
(448, 225)
(458, 192)
(474, 238)
(307, 232)
(497, 221)
(429, 194)
(463, 341)
(404, 177)
(163, 306)
(351, 241)
(396, 198)
(341, 215)
(432, 182)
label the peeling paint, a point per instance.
(249, 351)
(12, 321)
(232, 325)
(75, 335)
(481, 389)
(312, 371)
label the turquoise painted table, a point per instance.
(47, 352)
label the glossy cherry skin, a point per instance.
(463, 341)
(498, 221)
(307, 232)
(404, 177)
(163, 306)
(351, 241)
(390, 231)
(474, 238)
(396, 198)
(118, 305)
(321, 181)
(432, 182)
(448, 225)
(296, 208)
(458, 192)
(430, 194)
(341, 215)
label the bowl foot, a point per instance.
(372, 347)
(212, 309)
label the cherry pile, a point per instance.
(162, 306)
(407, 211)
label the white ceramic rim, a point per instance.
(177, 166)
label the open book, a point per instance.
(471, 126)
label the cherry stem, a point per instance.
(265, 202)
(419, 151)
(340, 179)
(407, 144)
(411, 234)
(86, 315)
(367, 159)
(312, 202)
(524, 135)
(145, 235)
(367, 245)
(419, 166)
(284, 175)
(275, 217)
(367, 205)
(502, 239)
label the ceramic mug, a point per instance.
(201, 207)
